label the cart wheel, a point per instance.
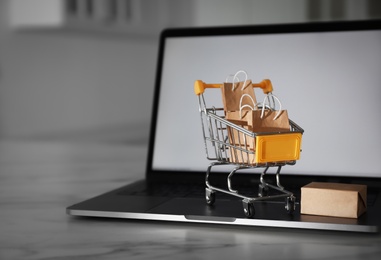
(210, 196)
(290, 204)
(263, 191)
(248, 208)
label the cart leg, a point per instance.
(209, 170)
(210, 196)
(248, 208)
(263, 189)
(229, 179)
(207, 174)
(290, 204)
(278, 178)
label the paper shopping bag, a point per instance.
(242, 144)
(244, 149)
(242, 119)
(271, 121)
(232, 93)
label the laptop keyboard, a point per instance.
(186, 190)
(198, 191)
(168, 190)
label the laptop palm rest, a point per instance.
(267, 214)
(223, 209)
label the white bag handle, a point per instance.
(246, 105)
(236, 77)
(267, 97)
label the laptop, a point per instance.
(327, 75)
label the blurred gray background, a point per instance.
(85, 69)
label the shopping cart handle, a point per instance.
(265, 85)
(200, 86)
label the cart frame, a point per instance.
(223, 151)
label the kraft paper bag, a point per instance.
(242, 119)
(238, 139)
(252, 121)
(232, 93)
(244, 146)
(269, 122)
(242, 157)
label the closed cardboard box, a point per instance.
(333, 199)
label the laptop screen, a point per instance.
(328, 79)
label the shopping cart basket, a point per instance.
(271, 150)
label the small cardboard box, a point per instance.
(333, 199)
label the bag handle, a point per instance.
(236, 77)
(267, 97)
(246, 105)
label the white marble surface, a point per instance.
(39, 179)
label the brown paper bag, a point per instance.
(252, 121)
(242, 157)
(244, 120)
(267, 123)
(232, 93)
(244, 147)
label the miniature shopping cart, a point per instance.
(272, 149)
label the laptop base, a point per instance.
(225, 211)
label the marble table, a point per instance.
(38, 179)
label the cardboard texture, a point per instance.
(333, 199)
(231, 98)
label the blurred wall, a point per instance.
(57, 82)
